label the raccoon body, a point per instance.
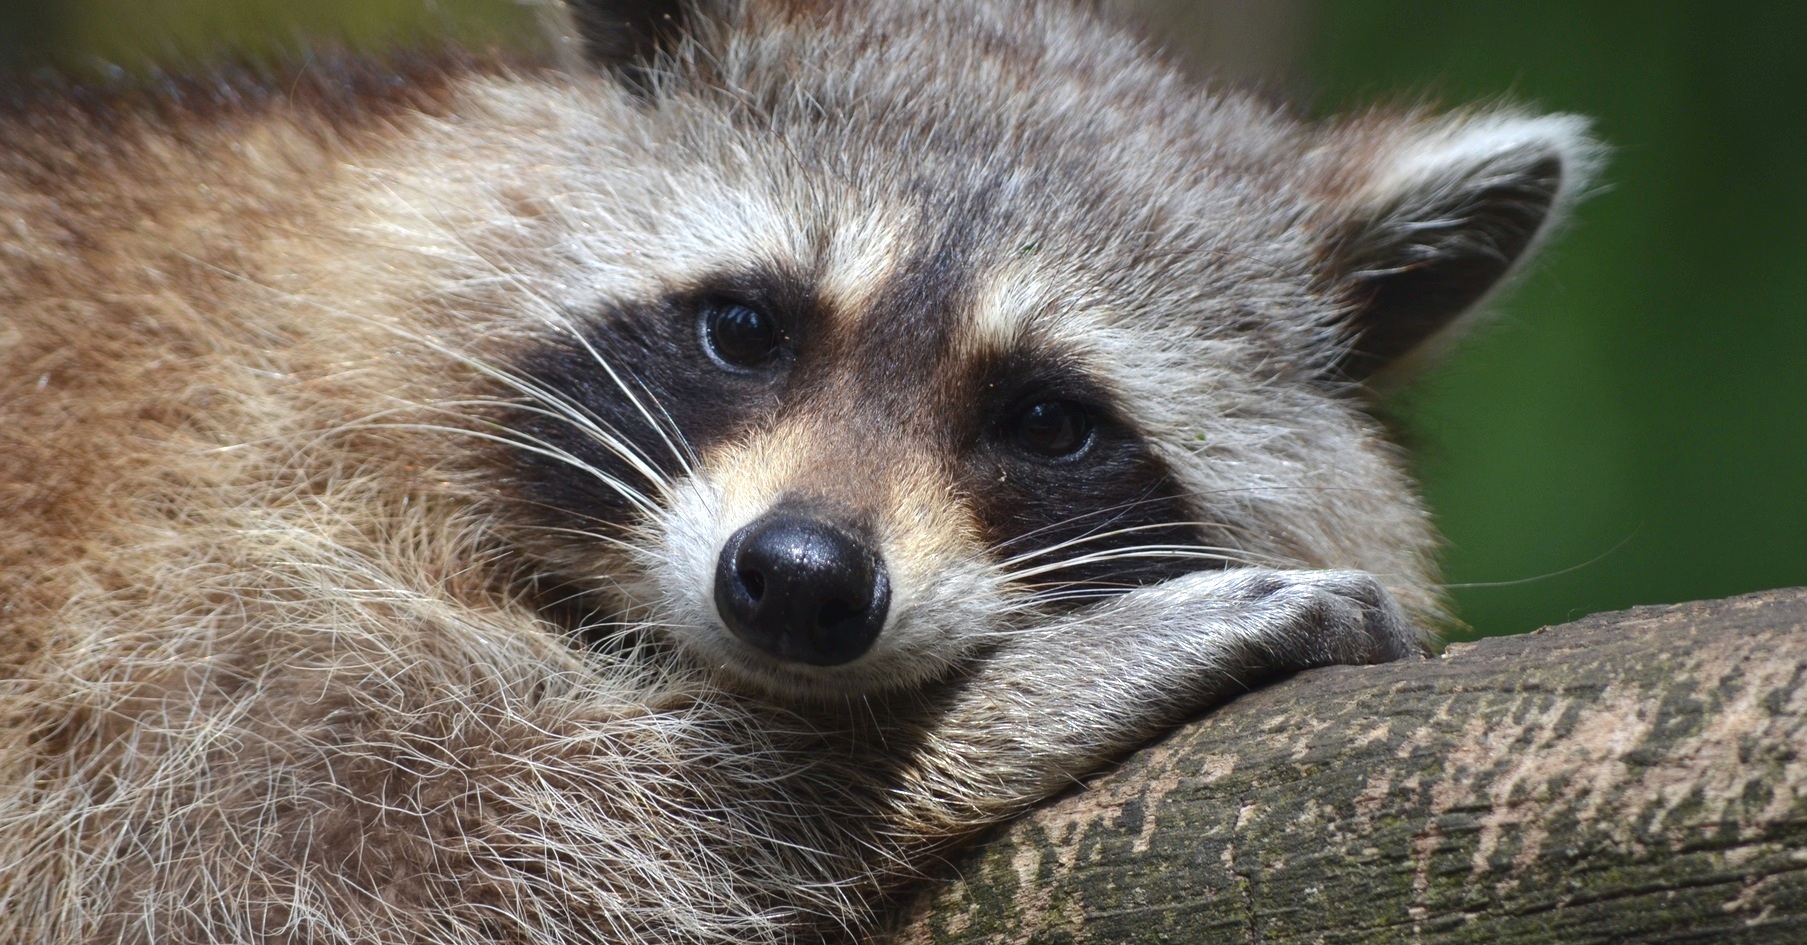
(673, 499)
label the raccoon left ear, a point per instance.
(1446, 214)
(624, 35)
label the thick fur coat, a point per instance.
(375, 444)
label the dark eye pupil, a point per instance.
(1054, 428)
(741, 336)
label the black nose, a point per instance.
(801, 589)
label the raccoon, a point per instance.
(679, 490)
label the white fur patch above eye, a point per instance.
(863, 254)
(1020, 301)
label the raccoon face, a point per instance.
(845, 494)
(873, 362)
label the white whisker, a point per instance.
(1009, 564)
(685, 456)
(1136, 552)
(608, 439)
(634, 497)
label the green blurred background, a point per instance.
(1631, 427)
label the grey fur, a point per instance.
(288, 655)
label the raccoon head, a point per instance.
(885, 328)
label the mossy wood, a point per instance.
(1630, 777)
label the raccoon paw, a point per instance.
(1328, 617)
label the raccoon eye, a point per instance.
(1052, 429)
(740, 336)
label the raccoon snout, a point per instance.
(802, 589)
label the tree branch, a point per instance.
(1631, 777)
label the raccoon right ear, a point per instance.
(621, 35)
(1438, 218)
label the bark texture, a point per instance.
(1630, 777)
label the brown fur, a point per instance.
(291, 648)
(142, 222)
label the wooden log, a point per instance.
(1630, 777)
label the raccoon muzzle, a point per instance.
(802, 588)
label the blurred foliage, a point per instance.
(84, 34)
(1631, 429)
